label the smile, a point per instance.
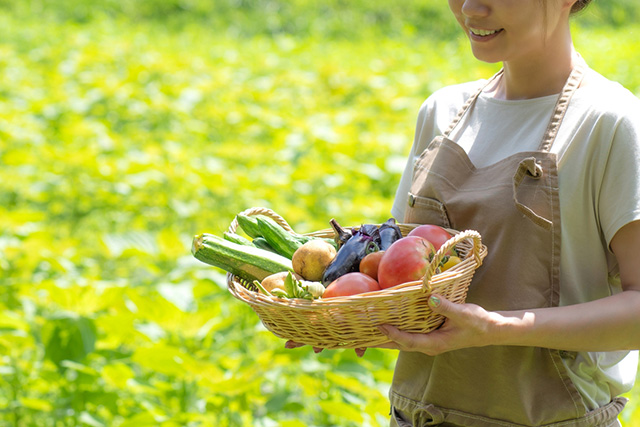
(482, 33)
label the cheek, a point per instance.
(456, 7)
(534, 37)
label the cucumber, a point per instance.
(236, 238)
(284, 242)
(249, 225)
(248, 263)
(260, 242)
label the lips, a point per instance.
(482, 33)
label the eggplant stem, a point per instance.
(341, 235)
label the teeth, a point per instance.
(478, 32)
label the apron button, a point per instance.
(412, 200)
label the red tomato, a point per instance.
(406, 260)
(351, 284)
(433, 233)
(369, 264)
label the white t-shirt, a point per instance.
(598, 147)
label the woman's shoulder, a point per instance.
(444, 103)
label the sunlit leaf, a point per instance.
(180, 294)
(10, 320)
(143, 419)
(68, 337)
(342, 411)
(89, 420)
(36, 404)
(117, 374)
(132, 240)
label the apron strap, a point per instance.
(570, 87)
(468, 104)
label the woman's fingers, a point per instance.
(292, 344)
(402, 340)
(465, 325)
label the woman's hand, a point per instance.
(465, 325)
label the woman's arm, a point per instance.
(607, 324)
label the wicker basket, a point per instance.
(351, 322)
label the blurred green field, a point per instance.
(128, 127)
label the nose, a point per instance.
(475, 8)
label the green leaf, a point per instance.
(166, 359)
(292, 423)
(79, 367)
(143, 419)
(36, 404)
(180, 294)
(86, 418)
(132, 240)
(12, 320)
(117, 374)
(342, 411)
(68, 337)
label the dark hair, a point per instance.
(579, 5)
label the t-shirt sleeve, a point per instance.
(402, 192)
(400, 201)
(619, 198)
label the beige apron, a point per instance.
(515, 206)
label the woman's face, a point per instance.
(507, 30)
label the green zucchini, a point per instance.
(284, 242)
(248, 263)
(249, 225)
(236, 238)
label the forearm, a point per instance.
(608, 324)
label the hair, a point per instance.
(579, 5)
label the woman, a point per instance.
(543, 161)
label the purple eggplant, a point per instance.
(371, 230)
(362, 242)
(389, 233)
(341, 235)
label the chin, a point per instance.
(488, 57)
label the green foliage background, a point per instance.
(128, 127)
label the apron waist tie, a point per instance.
(429, 416)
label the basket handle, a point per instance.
(442, 252)
(261, 211)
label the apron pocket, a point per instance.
(425, 210)
(533, 193)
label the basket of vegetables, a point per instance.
(332, 288)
